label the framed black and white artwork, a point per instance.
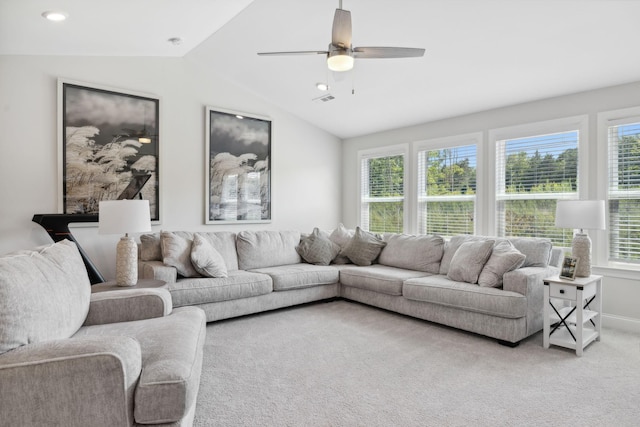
(238, 167)
(108, 147)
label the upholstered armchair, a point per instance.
(72, 358)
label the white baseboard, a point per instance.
(619, 322)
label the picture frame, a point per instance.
(237, 167)
(569, 266)
(108, 147)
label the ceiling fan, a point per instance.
(341, 55)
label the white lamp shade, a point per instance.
(583, 214)
(124, 216)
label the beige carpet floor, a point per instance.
(347, 364)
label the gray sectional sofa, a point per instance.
(489, 286)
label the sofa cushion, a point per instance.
(364, 247)
(44, 295)
(469, 259)
(176, 252)
(225, 243)
(150, 247)
(297, 276)
(415, 252)
(205, 259)
(171, 348)
(378, 278)
(259, 249)
(238, 284)
(536, 249)
(504, 257)
(317, 248)
(466, 296)
(341, 237)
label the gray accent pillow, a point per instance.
(176, 252)
(150, 247)
(504, 258)
(469, 259)
(419, 252)
(317, 248)
(536, 249)
(44, 295)
(206, 259)
(341, 237)
(364, 247)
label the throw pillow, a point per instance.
(176, 252)
(363, 248)
(317, 248)
(150, 247)
(469, 259)
(504, 257)
(341, 237)
(206, 259)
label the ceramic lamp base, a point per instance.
(126, 262)
(581, 248)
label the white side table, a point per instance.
(572, 312)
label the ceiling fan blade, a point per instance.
(387, 52)
(341, 32)
(299, 52)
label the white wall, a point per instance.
(306, 180)
(621, 288)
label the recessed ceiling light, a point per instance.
(322, 86)
(55, 15)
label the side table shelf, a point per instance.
(572, 312)
(142, 283)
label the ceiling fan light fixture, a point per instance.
(340, 60)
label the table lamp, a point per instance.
(125, 216)
(582, 214)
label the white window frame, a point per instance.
(476, 139)
(579, 123)
(600, 238)
(387, 151)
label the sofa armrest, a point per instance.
(528, 280)
(69, 382)
(128, 305)
(157, 270)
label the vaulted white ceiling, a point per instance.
(480, 54)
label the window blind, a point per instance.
(447, 190)
(382, 193)
(624, 192)
(532, 173)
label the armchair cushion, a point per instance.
(171, 348)
(125, 306)
(44, 295)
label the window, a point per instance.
(447, 190)
(624, 191)
(382, 190)
(532, 173)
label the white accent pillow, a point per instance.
(176, 252)
(504, 258)
(206, 259)
(469, 259)
(341, 237)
